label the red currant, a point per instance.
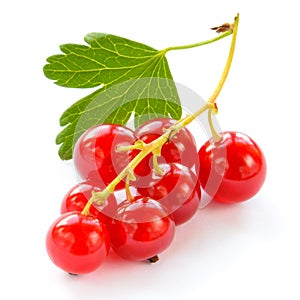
(177, 190)
(181, 149)
(78, 196)
(77, 244)
(141, 229)
(96, 155)
(232, 169)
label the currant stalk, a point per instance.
(155, 146)
(215, 136)
(219, 87)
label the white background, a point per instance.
(247, 251)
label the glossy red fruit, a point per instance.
(96, 156)
(77, 244)
(181, 149)
(141, 229)
(78, 196)
(232, 169)
(178, 190)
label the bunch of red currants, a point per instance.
(138, 217)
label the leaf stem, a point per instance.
(217, 38)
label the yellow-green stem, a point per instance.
(215, 136)
(220, 85)
(157, 169)
(96, 196)
(99, 197)
(127, 188)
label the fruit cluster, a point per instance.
(137, 186)
(160, 189)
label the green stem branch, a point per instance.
(217, 38)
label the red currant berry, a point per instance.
(141, 229)
(77, 244)
(78, 196)
(232, 169)
(178, 190)
(181, 149)
(96, 155)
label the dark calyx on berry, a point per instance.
(153, 259)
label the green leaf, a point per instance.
(109, 59)
(133, 78)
